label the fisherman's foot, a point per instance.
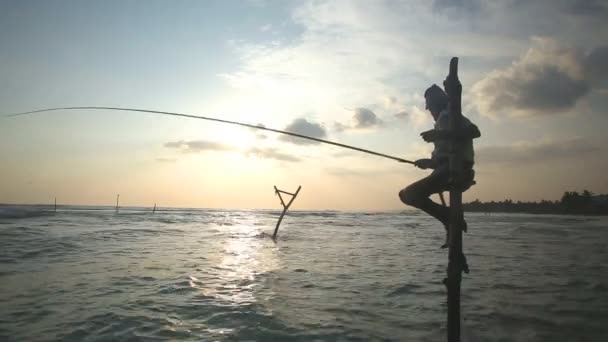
(464, 264)
(446, 243)
(464, 226)
(447, 236)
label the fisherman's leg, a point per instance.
(417, 195)
(412, 196)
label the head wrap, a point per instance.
(436, 99)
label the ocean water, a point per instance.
(205, 275)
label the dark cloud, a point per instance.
(366, 118)
(547, 79)
(584, 7)
(550, 89)
(458, 6)
(537, 152)
(304, 127)
(524, 18)
(271, 153)
(198, 146)
(541, 89)
(595, 66)
(567, 7)
(363, 118)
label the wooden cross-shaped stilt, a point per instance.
(285, 206)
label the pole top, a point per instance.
(453, 67)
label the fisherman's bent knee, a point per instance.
(410, 197)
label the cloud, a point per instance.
(546, 79)
(419, 117)
(364, 118)
(595, 66)
(195, 146)
(402, 115)
(271, 153)
(536, 152)
(258, 135)
(340, 127)
(580, 8)
(363, 172)
(357, 52)
(304, 127)
(349, 172)
(458, 6)
(166, 160)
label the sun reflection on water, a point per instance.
(241, 260)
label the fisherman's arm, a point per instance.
(466, 133)
(425, 164)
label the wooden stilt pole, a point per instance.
(55, 204)
(442, 199)
(456, 257)
(285, 207)
(117, 197)
(154, 209)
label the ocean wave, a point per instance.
(182, 276)
(23, 213)
(112, 326)
(404, 289)
(60, 248)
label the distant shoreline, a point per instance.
(572, 203)
(498, 211)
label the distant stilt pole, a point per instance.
(456, 259)
(117, 197)
(55, 204)
(285, 206)
(154, 210)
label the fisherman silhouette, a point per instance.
(417, 194)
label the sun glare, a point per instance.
(239, 138)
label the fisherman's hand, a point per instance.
(434, 135)
(429, 136)
(424, 163)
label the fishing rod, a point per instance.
(401, 160)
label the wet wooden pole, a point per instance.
(285, 206)
(55, 204)
(117, 197)
(456, 257)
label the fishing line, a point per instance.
(216, 120)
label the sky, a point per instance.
(534, 76)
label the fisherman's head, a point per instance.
(436, 100)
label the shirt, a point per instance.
(442, 147)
